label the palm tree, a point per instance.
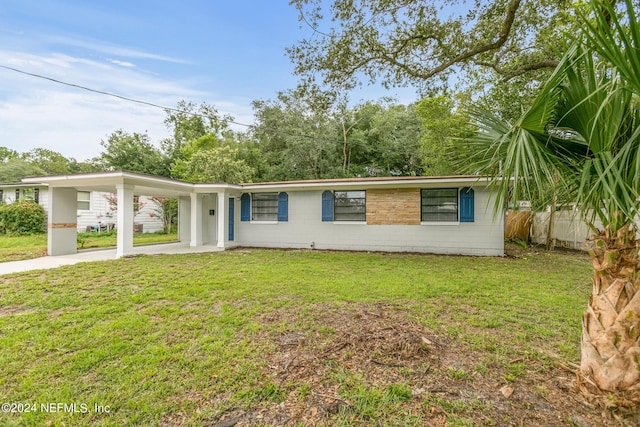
(584, 127)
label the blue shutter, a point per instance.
(245, 207)
(283, 207)
(327, 206)
(466, 204)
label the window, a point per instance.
(36, 195)
(1, 196)
(440, 205)
(29, 194)
(84, 200)
(264, 207)
(349, 206)
(17, 194)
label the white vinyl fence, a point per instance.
(569, 231)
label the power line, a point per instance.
(151, 104)
(124, 98)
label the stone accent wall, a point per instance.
(395, 206)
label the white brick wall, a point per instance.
(305, 228)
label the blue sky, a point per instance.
(224, 53)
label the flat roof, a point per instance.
(161, 186)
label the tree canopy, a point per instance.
(14, 170)
(132, 152)
(404, 43)
(302, 139)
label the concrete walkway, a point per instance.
(49, 262)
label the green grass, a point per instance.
(179, 338)
(15, 248)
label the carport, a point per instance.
(195, 203)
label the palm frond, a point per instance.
(616, 41)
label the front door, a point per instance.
(231, 217)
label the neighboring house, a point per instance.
(11, 192)
(95, 209)
(447, 215)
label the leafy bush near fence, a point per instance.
(22, 217)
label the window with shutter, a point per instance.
(349, 206)
(439, 205)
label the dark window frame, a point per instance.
(438, 206)
(349, 206)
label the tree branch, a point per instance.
(502, 39)
(510, 74)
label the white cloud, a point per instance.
(113, 50)
(36, 112)
(123, 63)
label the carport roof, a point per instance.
(148, 185)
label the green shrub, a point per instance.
(22, 217)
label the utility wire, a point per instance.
(137, 101)
(274, 131)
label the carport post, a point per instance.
(196, 219)
(223, 215)
(184, 219)
(63, 219)
(125, 220)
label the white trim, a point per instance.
(103, 179)
(349, 222)
(89, 209)
(439, 222)
(263, 222)
(427, 182)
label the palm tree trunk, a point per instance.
(611, 323)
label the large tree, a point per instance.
(443, 124)
(188, 122)
(14, 170)
(7, 154)
(217, 164)
(132, 152)
(583, 133)
(381, 140)
(51, 162)
(297, 138)
(400, 43)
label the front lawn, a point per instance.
(258, 337)
(14, 248)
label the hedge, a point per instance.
(22, 217)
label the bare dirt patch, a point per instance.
(14, 310)
(377, 365)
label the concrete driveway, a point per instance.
(48, 262)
